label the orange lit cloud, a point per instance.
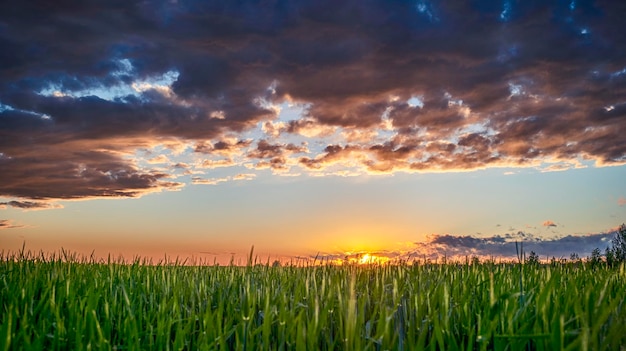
(188, 85)
(549, 224)
(244, 176)
(214, 181)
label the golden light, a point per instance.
(367, 258)
(361, 258)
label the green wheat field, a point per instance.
(65, 303)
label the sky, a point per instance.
(308, 128)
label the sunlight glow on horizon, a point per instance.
(199, 129)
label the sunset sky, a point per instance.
(332, 128)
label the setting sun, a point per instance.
(373, 259)
(367, 259)
(361, 259)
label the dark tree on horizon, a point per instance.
(619, 244)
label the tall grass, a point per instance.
(62, 302)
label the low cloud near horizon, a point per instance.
(101, 100)
(549, 223)
(460, 247)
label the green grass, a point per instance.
(61, 303)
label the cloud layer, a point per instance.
(93, 96)
(459, 248)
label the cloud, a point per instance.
(549, 223)
(244, 176)
(224, 147)
(504, 245)
(275, 156)
(213, 181)
(211, 164)
(501, 246)
(621, 201)
(160, 159)
(8, 224)
(61, 172)
(29, 205)
(308, 127)
(382, 87)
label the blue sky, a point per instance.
(199, 129)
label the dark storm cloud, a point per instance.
(67, 172)
(359, 114)
(497, 87)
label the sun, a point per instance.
(366, 258)
(361, 258)
(372, 259)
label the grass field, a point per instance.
(52, 303)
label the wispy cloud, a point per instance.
(8, 224)
(211, 181)
(30, 205)
(214, 181)
(244, 176)
(621, 201)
